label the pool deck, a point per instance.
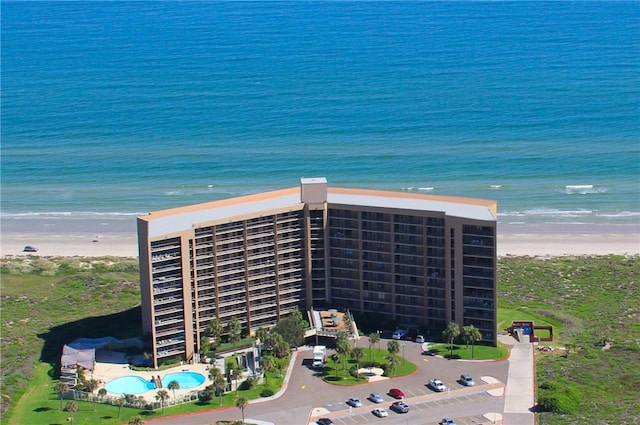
(105, 372)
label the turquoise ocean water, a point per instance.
(114, 109)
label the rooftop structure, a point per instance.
(419, 260)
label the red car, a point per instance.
(396, 393)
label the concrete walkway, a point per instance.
(520, 392)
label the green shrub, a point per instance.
(267, 392)
(247, 384)
(562, 401)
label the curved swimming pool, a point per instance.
(186, 380)
(129, 385)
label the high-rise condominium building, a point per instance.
(415, 259)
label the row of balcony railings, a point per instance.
(166, 288)
(477, 252)
(164, 329)
(469, 271)
(477, 282)
(165, 244)
(157, 257)
(478, 261)
(469, 229)
(478, 303)
(170, 353)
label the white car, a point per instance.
(380, 412)
(354, 402)
(437, 385)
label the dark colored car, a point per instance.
(324, 421)
(447, 421)
(396, 393)
(400, 407)
(30, 248)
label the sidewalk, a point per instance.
(520, 391)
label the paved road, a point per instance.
(306, 397)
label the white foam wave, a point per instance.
(495, 186)
(621, 214)
(426, 189)
(546, 212)
(583, 189)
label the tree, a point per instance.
(162, 396)
(120, 402)
(471, 334)
(220, 384)
(61, 388)
(92, 385)
(450, 333)
(205, 345)
(393, 347)
(343, 347)
(235, 374)
(173, 386)
(102, 392)
(292, 328)
(373, 339)
(72, 408)
(335, 359)
(235, 331)
(278, 345)
(214, 372)
(268, 365)
(215, 329)
(262, 334)
(357, 354)
(241, 403)
(136, 420)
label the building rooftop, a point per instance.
(177, 219)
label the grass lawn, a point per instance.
(476, 352)
(338, 373)
(41, 404)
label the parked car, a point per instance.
(400, 407)
(354, 402)
(324, 421)
(467, 380)
(437, 385)
(396, 393)
(420, 339)
(447, 421)
(380, 412)
(30, 248)
(375, 398)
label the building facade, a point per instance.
(419, 260)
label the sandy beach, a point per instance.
(534, 242)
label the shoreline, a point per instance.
(513, 241)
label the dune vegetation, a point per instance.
(593, 304)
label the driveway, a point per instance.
(306, 397)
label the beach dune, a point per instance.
(535, 244)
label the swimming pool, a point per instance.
(130, 385)
(185, 379)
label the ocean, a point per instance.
(114, 109)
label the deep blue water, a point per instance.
(112, 109)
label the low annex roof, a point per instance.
(178, 219)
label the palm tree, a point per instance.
(268, 365)
(71, 407)
(393, 347)
(235, 374)
(241, 403)
(92, 385)
(357, 354)
(220, 384)
(102, 392)
(214, 373)
(173, 386)
(373, 339)
(61, 388)
(136, 420)
(162, 396)
(120, 402)
(215, 329)
(235, 331)
(471, 334)
(450, 333)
